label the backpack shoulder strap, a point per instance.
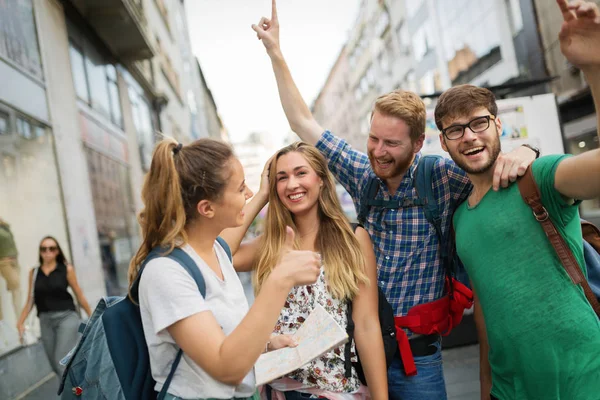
(225, 247)
(349, 327)
(423, 183)
(368, 194)
(531, 195)
(355, 226)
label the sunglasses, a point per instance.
(43, 249)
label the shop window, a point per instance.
(30, 208)
(115, 218)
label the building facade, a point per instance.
(86, 87)
(427, 46)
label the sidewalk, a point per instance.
(461, 371)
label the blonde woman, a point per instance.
(301, 194)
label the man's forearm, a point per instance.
(296, 111)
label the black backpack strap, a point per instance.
(368, 200)
(349, 328)
(371, 189)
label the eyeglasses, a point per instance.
(44, 249)
(476, 125)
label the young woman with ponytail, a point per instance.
(301, 194)
(191, 194)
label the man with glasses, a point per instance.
(539, 336)
(405, 243)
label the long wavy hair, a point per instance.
(178, 179)
(343, 259)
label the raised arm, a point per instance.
(296, 111)
(579, 177)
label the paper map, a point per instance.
(317, 335)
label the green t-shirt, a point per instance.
(544, 336)
(7, 243)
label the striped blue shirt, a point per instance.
(406, 245)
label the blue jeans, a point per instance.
(428, 384)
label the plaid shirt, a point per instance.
(405, 243)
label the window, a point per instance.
(465, 43)
(29, 130)
(78, 71)
(515, 17)
(18, 36)
(113, 92)
(4, 123)
(427, 83)
(142, 120)
(23, 128)
(384, 62)
(96, 71)
(423, 41)
(382, 23)
(412, 7)
(95, 81)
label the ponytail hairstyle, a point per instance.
(343, 259)
(179, 178)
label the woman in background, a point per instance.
(59, 320)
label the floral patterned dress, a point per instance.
(328, 371)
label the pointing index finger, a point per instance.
(274, 10)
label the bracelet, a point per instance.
(534, 149)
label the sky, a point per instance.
(237, 68)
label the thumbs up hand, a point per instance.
(297, 267)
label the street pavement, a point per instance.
(461, 371)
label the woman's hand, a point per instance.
(296, 267)
(21, 329)
(264, 179)
(280, 341)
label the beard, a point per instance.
(398, 167)
(494, 151)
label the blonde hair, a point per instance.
(406, 106)
(344, 261)
(179, 177)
